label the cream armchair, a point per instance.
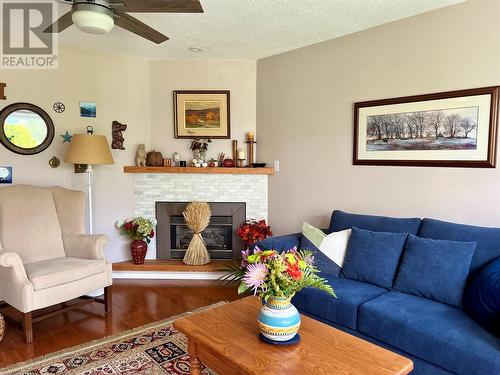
(45, 256)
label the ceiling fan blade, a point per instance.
(160, 6)
(137, 27)
(61, 24)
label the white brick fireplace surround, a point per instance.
(150, 188)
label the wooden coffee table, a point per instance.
(226, 339)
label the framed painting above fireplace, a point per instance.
(448, 129)
(202, 114)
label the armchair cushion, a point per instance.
(53, 272)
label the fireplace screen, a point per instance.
(173, 236)
(218, 237)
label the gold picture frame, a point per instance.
(202, 114)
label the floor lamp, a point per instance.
(91, 150)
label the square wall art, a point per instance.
(88, 109)
(5, 175)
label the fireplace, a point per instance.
(173, 236)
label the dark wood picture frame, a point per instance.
(490, 161)
(26, 107)
(202, 92)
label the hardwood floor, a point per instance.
(135, 303)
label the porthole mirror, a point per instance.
(25, 128)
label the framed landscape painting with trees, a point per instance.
(448, 129)
(202, 114)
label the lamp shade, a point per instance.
(89, 149)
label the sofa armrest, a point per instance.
(86, 246)
(12, 260)
(279, 243)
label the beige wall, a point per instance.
(305, 118)
(240, 77)
(121, 89)
(135, 92)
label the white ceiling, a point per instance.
(250, 29)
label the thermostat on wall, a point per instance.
(5, 175)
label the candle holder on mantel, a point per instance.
(241, 163)
(250, 144)
(235, 151)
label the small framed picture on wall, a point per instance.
(5, 175)
(202, 114)
(448, 129)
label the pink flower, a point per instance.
(255, 275)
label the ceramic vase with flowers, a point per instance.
(140, 230)
(275, 277)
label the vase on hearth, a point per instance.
(278, 319)
(138, 250)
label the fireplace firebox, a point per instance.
(173, 236)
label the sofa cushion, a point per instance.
(435, 269)
(278, 243)
(482, 297)
(488, 239)
(342, 220)
(373, 256)
(329, 250)
(53, 272)
(342, 310)
(440, 334)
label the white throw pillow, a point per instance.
(333, 245)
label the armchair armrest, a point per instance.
(86, 246)
(12, 260)
(279, 243)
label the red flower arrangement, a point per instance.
(253, 230)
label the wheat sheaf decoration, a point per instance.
(197, 217)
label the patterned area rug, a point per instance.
(156, 348)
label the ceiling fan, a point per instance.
(99, 16)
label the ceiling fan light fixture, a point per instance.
(98, 20)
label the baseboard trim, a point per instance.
(167, 275)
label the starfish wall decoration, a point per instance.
(66, 137)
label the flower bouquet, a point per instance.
(140, 230)
(253, 230)
(275, 277)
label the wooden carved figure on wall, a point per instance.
(140, 156)
(117, 129)
(2, 91)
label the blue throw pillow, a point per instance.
(373, 256)
(482, 297)
(343, 220)
(321, 261)
(435, 269)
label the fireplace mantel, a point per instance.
(199, 170)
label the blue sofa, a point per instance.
(439, 338)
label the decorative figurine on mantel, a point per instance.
(154, 159)
(176, 158)
(140, 156)
(199, 146)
